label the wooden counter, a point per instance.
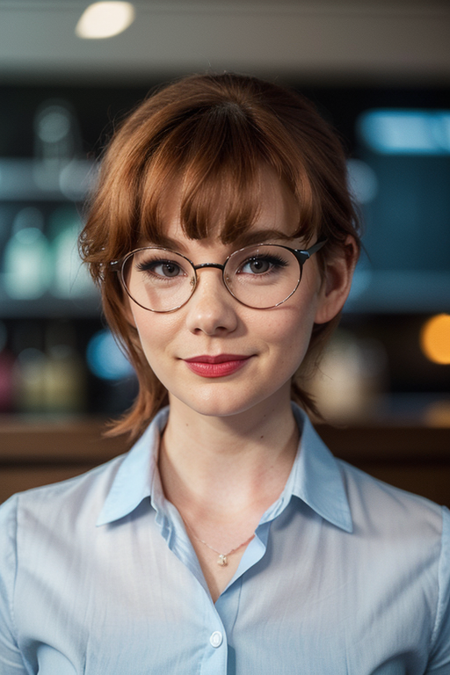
(35, 452)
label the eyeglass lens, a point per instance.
(258, 276)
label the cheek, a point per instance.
(155, 330)
(288, 334)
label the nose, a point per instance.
(211, 309)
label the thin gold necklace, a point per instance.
(223, 557)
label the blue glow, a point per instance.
(362, 181)
(406, 132)
(104, 358)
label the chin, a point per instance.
(226, 404)
(211, 408)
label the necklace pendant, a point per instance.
(222, 561)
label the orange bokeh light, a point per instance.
(435, 339)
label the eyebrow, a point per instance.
(164, 241)
(245, 239)
(260, 236)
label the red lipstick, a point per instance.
(216, 366)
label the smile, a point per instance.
(216, 366)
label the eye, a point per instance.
(168, 269)
(262, 264)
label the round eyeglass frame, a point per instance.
(301, 255)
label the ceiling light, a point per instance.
(105, 19)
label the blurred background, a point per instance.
(378, 71)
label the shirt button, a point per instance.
(216, 639)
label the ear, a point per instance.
(337, 281)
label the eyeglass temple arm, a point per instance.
(302, 256)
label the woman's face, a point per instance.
(259, 350)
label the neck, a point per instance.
(227, 466)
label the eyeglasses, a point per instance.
(261, 276)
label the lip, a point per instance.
(220, 358)
(216, 366)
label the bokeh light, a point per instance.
(104, 358)
(406, 132)
(435, 339)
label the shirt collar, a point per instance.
(315, 477)
(138, 475)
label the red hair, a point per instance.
(212, 135)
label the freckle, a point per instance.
(262, 436)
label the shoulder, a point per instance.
(41, 532)
(376, 504)
(405, 542)
(63, 501)
(49, 518)
(72, 507)
(406, 536)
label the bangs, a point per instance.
(212, 164)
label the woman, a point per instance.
(228, 540)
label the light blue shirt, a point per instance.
(346, 575)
